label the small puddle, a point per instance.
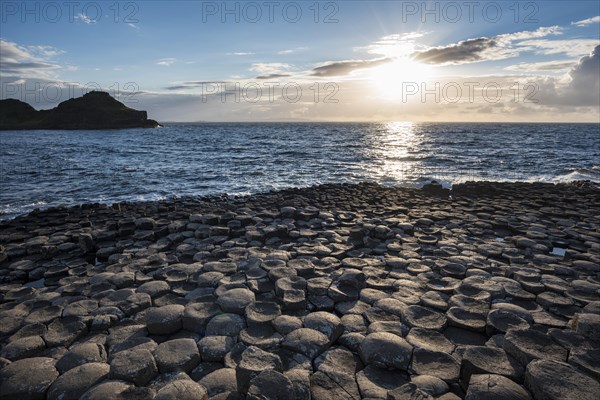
(559, 251)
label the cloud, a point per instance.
(31, 61)
(584, 88)
(270, 68)
(543, 66)
(588, 21)
(240, 53)
(85, 19)
(339, 68)
(292, 51)
(167, 62)
(273, 76)
(570, 47)
(483, 49)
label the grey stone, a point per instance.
(225, 325)
(214, 348)
(81, 354)
(385, 350)
(493, 387)
(75, 382)
(182, 389)
(236, 300)
(197, 315)
(553, 380)
(27, 379)
(137, 366)
(177, 355)
(164, 320)
(270, 385)
(306, 341)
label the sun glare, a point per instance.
(391, 78)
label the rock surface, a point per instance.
(332, 292)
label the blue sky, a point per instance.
(372, 51)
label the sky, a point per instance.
(189, 61)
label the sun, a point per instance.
(391, 79)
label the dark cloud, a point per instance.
(584, 88)
(470, 50)
(273, 76)
(346, 67)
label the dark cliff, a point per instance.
(95, 110)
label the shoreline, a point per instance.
(474, 291)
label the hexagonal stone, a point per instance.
(164, 320)
(552, 380)
(236, 300)
(64, 331)
(408, 391)
(492, 387)
(385, 350)
(177, 355)
(588, 325)
(262, 313)
(220, 381)
(335, 375)
(154, 288)
(435, 363)
(182, 389)
(253, 362)
(471, 319)
(421, 317)
(81, 354)
(75, 382)
(23, 348)
(429, 340)
(306, 341)
(527, 345)
(197, 315)
(225, 325)
(117, 390)
(270, 385)
(586, 360)
(432, 385)
(325, 322)
(214, 348)
(285, 324)
(375, 382)
(487, 360)
(136, 365)
(27, 379)
(500, 321)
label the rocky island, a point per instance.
(94, 110)
(334, 292)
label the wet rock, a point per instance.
(492, 387)
(27, 379)
(385, 350)
(553, 380)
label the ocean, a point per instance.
(40, 169)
